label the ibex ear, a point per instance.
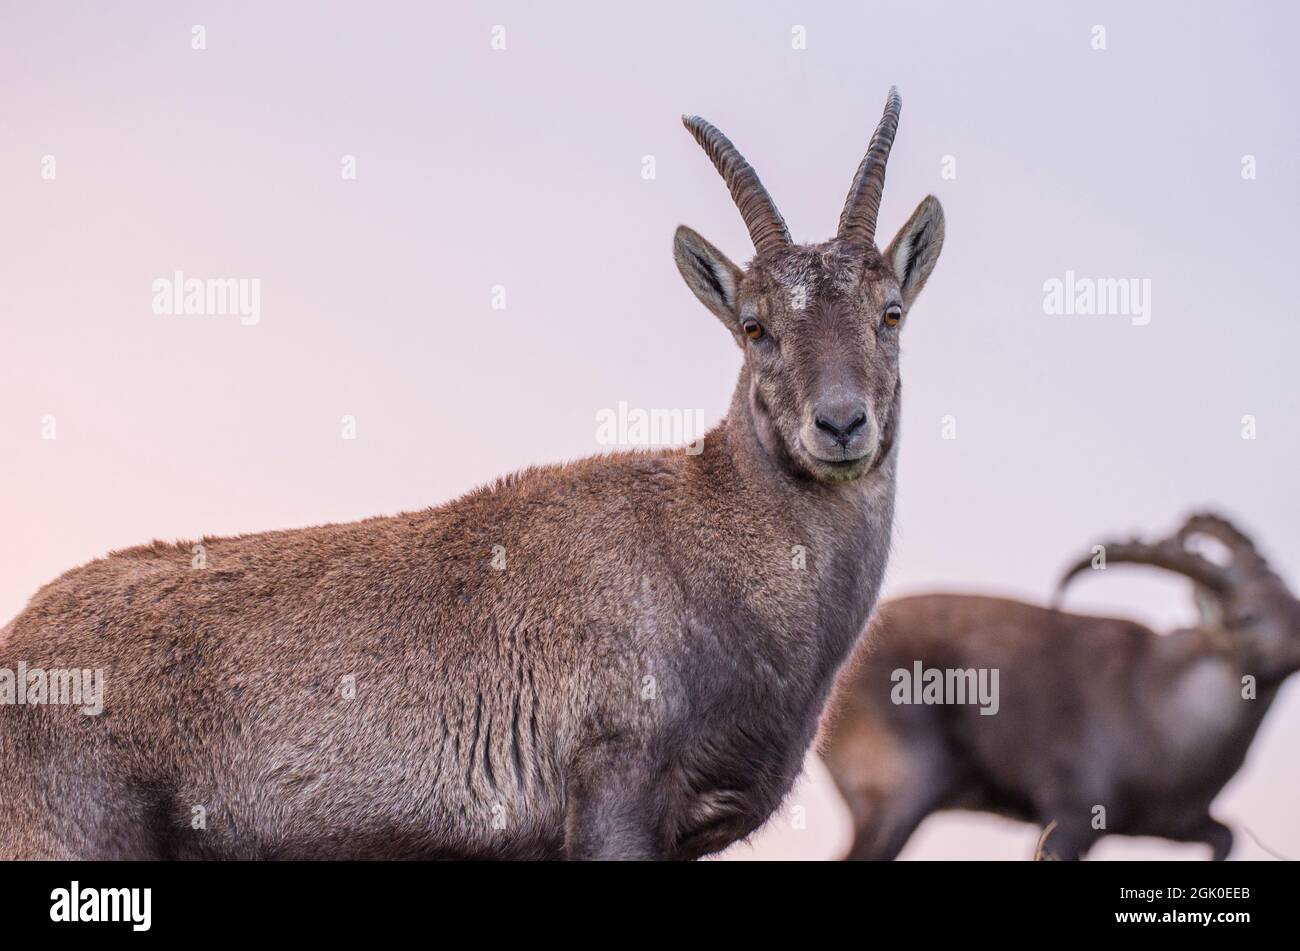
(915, 249)
(709, 274)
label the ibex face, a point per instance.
(1265, 614)
(1253, 605)
(818, 324)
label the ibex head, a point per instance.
(1241, 597)
(818, 324)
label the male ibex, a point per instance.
(623, 657)
(1091, 712)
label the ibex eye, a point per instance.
(893, 314)
(753, 329)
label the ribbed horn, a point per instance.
(858, 220)
(1238, 543)
(766, 226)
(1168, 554)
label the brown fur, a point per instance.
(1093, 712)
(640, 678)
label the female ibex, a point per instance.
(622, 657)
(1102, 725)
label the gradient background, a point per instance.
(522, 168)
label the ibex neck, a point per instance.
(817, 550)
(845, 527)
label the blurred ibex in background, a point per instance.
(1102, 726)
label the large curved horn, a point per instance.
(766, 226)
(1168, 554)
(858, 220)
(1238, 543)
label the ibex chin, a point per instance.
(623, 657)
(1102, 726)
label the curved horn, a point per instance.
(858, 220)
(1237, 542)
(766, 226)
(1168, 554)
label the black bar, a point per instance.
(451, 902)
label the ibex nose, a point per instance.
(840, 420)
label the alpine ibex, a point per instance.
(623, 657)
(1102, 726)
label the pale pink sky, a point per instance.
(523, 167)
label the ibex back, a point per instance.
(622, 657)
